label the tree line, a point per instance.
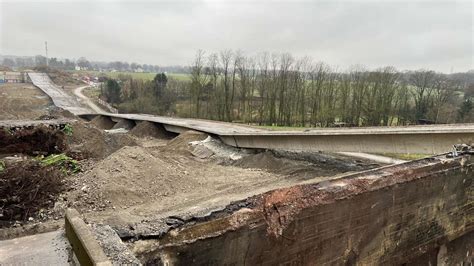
(83, 63)
(279, 89)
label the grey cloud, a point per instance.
(421, 34)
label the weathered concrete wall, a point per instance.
(392, 215)
(401, 142)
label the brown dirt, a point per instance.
(141, 182)
(26, 187)
(22, 101)
(131, 179)
(148, 129)
(181, 142)
(137, 182)
(89, 141)
(36, 141)
(128, 177)
(125, 124)
(103, 122)
(62, 78)
(296, 165)
(57, 112)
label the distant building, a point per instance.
(12, 77)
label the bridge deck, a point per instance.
(429, 139)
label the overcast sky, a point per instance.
(406, 34)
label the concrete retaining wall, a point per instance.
(84, 245)
(393, 215)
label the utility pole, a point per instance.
(46, 48)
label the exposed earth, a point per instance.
(138, 181)
(142, 175)
(23, 101)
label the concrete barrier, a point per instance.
(85, 246)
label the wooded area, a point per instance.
(279, 89)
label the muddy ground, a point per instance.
(132, 178)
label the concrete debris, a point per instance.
(116, 131)
(113, 247)
(213, 146)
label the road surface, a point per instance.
(41, 249)
(59, 96)
(430, 139)
(87, 100)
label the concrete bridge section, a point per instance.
(433, 139)
(59, 97)
(429, 139)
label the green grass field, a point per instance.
(135, 75)
(283, 128)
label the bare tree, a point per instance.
(422, 82)
(198, 80)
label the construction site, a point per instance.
(82, 185)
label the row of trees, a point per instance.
(279, 89)
(82, 62)
(157, 96)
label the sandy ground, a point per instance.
(22, 101)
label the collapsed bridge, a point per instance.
(413, 213)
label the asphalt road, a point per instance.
(430, 139)
(59, 96)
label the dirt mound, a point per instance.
(103, 122)
(149, 129)
(57, 112)
(182, 141)
(300, 169)
(35, 141)
(26, 187)
(89, 141)
(127, 177)
(124, 123)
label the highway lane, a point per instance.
(59, 97)
(427, 139)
